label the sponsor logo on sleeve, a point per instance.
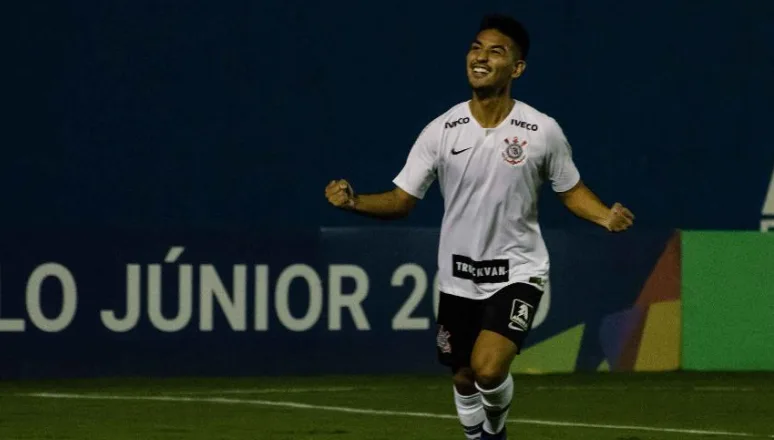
(525, 125)
(460, 121)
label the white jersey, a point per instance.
(489, 179)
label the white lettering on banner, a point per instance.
(403, 319)
(109, 317)
(348, 287)
(211, 286)
(337, 300)
(185, 294)
(10, 324)
(768, 207)
(768, 204)
(184, 298)
(282, 294)
(133, 282)
(262, 297)
(69, 297)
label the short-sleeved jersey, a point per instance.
(490, 179)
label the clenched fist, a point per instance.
(340, 194)
(619, 219)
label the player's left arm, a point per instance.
(582, 202)
(576, 196)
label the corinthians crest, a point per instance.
(515, 154)
(442, 340)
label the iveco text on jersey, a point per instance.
(522, 124)
(460, 121)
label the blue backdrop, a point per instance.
(133, 126)
(234, 115)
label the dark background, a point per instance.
(234, 115)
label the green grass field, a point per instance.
(593, 406)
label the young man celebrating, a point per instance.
(490, 155)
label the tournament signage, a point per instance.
(338, 301)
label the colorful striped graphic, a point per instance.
(644, 337)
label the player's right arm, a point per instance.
(411, 183)
(387, 205)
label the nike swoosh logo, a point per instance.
(454, 153)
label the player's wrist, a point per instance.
(354, 203)
(606, 219)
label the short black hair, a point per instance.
(509, 27)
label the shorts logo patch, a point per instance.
(443, 340)
(521, 316)
(486, 271)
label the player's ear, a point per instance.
(518, 68)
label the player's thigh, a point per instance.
(492, 356)
(506, 322)
(459, 322)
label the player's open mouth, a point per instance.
(480, 71)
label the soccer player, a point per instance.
(490, 155)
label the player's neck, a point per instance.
(491, 110)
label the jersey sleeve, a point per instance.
(560, 168)
(420, 168)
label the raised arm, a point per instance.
(387, 205)
(576, 196)
(582, 202)
(411, 183)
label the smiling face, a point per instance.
(493, 61)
